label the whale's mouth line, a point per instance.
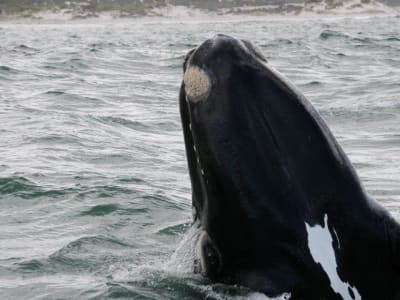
(198, 84)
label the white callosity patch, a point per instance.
(320, 243)
(197, 84)
(200, 254)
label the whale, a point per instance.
(278, 205)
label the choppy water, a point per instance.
(94, 191)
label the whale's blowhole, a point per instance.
(197, 84)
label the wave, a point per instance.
(105, 209)
(174, 278)
(7, 70)
(88, 253)
(26, 189)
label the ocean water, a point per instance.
(94, 190)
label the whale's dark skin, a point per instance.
(262, 164)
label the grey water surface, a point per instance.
(94, 190)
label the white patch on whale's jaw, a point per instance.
(202, 266)
(197, 84)
(320, 243)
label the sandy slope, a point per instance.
(168, 13)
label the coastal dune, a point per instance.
(105, 10)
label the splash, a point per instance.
(178, 270)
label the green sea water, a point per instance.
(94, 190)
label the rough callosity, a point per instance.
(197, 84)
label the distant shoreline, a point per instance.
(189, 14)
(219, 19)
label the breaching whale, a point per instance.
(279, 205)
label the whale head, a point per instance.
(263, 166)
